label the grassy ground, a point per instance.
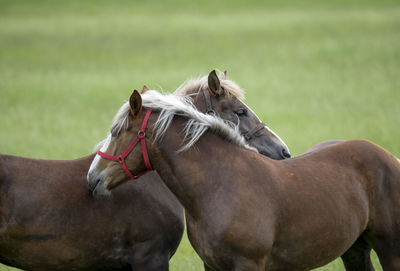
(313, 70)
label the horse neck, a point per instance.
(191, 175)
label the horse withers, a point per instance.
(49, 221)
(248, 212)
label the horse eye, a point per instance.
(115, 134)
(241, 112)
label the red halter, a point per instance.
(140, 137)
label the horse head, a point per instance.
(222, 97)
(119, 150)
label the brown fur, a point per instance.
(50, 221)
(248, 212)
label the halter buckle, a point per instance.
(211, 112)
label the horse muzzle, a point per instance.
(276, 154)
(98, 185)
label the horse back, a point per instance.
(15, 166)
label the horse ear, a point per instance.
(144, 89)
(214, 84)
(135, 101)
(224, 76)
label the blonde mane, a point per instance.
(170, 105)
(193, 86)
(180, 103)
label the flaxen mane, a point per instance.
(170, 105)
(193, 86)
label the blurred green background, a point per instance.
(312, 70)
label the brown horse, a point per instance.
(247, 212)
(224, 99)
(49, 221)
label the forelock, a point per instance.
(193, 86)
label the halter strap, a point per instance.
(250, 134)
(141, 136)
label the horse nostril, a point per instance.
(285, 153)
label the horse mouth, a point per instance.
(98, 186)
(286, 154)
(94, 184)
(282, 155)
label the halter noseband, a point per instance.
(250, 134)
(140, 137)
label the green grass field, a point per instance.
(312, 70)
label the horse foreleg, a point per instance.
(152, 264)
(146, 258)
(389, 257)
(207, 268)
(357, 257)
(245, 264)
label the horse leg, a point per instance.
(207, 268)
(157, 262)
(149, 256)
(386, 242)
(244, 264)
(240, 266)
(384, 229)
(389, 255)
(389, 261)
(357, 257)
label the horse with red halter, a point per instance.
(248, 212)
(49, 220)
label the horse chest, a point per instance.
(221, 240)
